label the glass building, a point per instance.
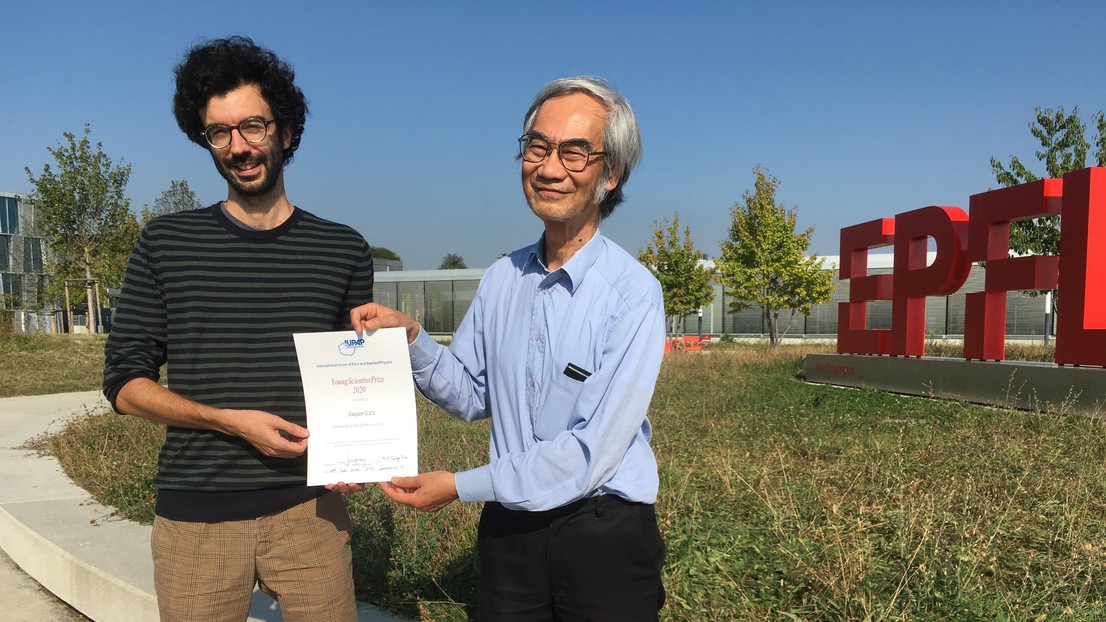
(1025, 314)
(439, 298)
(22, 269)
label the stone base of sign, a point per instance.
(1012, 384)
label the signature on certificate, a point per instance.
(350, 464)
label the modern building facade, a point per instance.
(439, 299)
(23, 276)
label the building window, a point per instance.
(9, 215)
(33, 294)
(32, 255)
(412, 299)
(5, 253)
(12, 290)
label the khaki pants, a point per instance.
(301, 557)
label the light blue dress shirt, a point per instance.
(555, 439)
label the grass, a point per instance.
(34, 364)
(113, 457)
(816, 503)
(779, 501)
(1021, 350)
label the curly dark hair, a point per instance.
(222, 65)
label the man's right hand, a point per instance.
(372, 316)
(271, 435)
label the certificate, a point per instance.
(360, 406)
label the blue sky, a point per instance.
(862, 109)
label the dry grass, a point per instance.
(43, 364)
(1020, 350)
(111, 456)
(792, 501)
(779, 501)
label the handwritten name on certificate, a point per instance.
(360, 406)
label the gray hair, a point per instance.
(621, 139)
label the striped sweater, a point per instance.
(220, 303)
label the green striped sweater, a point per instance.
(220, 303)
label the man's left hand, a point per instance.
(427, 492)
(344, 488)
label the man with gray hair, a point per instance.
(561, 348)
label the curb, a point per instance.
(86, 588)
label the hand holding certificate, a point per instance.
(360, 406)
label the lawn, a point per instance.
(779, 501)
(41, 364)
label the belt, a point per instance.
(598, 504)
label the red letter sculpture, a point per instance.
(989, 242)
(853, 335)
(914, 281)
(1081, 302)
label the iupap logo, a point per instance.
(348, 347)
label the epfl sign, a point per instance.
(983, 234)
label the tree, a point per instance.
(452, 261)
(177, 198)
(1063, 149)
(764, 261)
(86, 220)
(685, 283)
(379, 252)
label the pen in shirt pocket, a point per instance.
(576, 373)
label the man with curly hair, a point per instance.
(233, 508)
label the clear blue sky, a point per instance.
(862, 109)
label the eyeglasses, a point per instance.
(253, 130)
(575, 155)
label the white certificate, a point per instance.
(360, 406)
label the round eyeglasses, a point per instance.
(253, 130)
(575, 155)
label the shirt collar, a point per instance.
(574, 269)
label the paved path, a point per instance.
(27, 601)
(53, 530)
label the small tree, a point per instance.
(1063, 149)
(86, 219)
(685, 283)
(764, 261)
(177, 198)
(380, 252)
(452, 261)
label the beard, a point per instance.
(271, 161)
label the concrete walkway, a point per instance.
(53, 530)
(27, 601)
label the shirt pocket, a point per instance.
(557, 408)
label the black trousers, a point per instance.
(595, 559)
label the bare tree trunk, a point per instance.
(68, 308)
(773, 331)
(90, 302)
(99, 310)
